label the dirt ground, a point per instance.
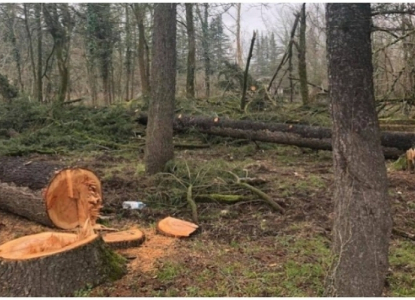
(241, 248)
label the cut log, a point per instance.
(176, 228)
(314, 137)
(124, 239)
(52, 264)
(72, 195)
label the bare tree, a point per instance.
(302, 66)
(159, 134)
(191, 55)
(362, 223)
(238, 36)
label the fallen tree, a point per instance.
(314, 137)
(47, 193)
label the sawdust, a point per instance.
(155, 246)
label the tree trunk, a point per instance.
(29, 36)
(37, 191)
(29, 269)
(7, 91)
(243, 100)
(143, 65)
(205, 45)
(362, 222)
(191, 55)
(238, 36)
(128, 54)
(394, 143)
(159, 141)
(302, 65)
(39, 77)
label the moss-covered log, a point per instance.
(30, 270)
(314, 137)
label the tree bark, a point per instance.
(191, 55)
(314, 137)
(204, 20)
(302, 65)
(139, 12)
(88, 263)
(243, 100)
(238, 36)
(28, 189)
(362, 223)
(159, 141)
(39, 78)
(29, 36)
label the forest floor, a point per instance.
(241, 249)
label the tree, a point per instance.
(143, 61)
(191, 55)
(204, 21)
(60, 24)
(159, 134)
(362, 223)
(238, 36)
(302, 66)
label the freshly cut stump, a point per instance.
(53, 264)
(175, 227)
(124, 239)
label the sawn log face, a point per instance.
(60, 274)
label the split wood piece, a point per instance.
(53, 264)
(314, 137)
(73, 196)
(124, 239)
(176, 228)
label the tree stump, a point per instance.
(52, 264)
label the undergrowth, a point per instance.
(28, 127)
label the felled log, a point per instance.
(52, 264)
(314, 137)
(47, 194)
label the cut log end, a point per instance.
(124, 239)
(176, 228)
(65, 263)
(72, 197)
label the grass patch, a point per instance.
(290, 266)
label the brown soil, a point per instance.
(245, 222)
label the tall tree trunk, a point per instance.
(159, 134)
(60, 25)
(191, 55)
(238, 36)
(362, 222)
(204, 20)
(128, 56)
(29, 36)
(39, 78)
(302, 49)
(143, 63)
(11, 19)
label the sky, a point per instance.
(271, 17)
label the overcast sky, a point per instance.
(271, 17)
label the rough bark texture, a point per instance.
(60, 274)
(159, 141)
(191, 55)
(243, 100)
(362, 223)
(21, 190)
(394, 143)
(238, 36)
(302, 65)
(139, 12)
